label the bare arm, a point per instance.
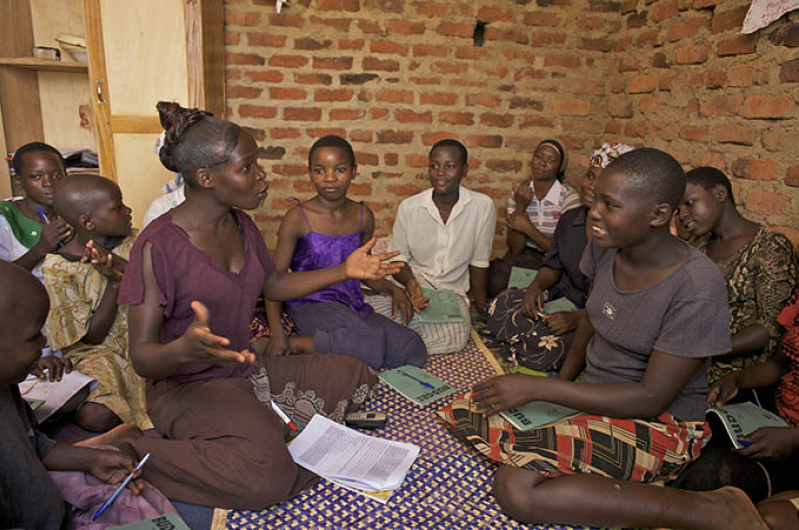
(54, 233)
(575, 359)
(519, 229)
(478, 285)
(103, 318)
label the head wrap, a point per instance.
(606, 154)
(559, 148)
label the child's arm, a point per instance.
(664, 378)
(765, 374)
(53, 234)
(113, 268)
(109, 466)
(154, 360)
(478, 285)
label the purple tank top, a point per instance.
(316, 251)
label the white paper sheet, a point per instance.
(56, 394)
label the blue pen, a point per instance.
(46, 221)
(125, 482)
(745, 443)
(409, 376)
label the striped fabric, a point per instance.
(544, 214)
(624, 449)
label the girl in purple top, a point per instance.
(192, 282)
(322, 232)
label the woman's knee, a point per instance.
(94, 417)
(513, 491)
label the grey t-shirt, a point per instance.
(685, 315)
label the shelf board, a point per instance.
(32, 63)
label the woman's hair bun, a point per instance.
(175, 120)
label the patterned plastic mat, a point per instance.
(448, 487)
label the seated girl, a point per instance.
(534, 208)
(656, 313)
(761, 268)
(322, 232)
(192, 282)
(541, 342)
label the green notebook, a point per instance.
(559, 304)
(443, 306)
(170, 521)
(535, 414)
(521, 278)
(417, 385)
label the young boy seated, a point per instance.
(445, 235)
(85, 322)
(28, 497)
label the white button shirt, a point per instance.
(440, 252)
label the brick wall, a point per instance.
(395, 76)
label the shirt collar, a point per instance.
(553, 195)
(464, 198)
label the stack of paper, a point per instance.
(47, 398)
(350, 458)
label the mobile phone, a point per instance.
(366, 420)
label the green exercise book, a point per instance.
(417, 385)
(559, 304)
(520, 278)
(535, 414)
(742, 419)
(170, 521)
(34, 403)
(443, 306)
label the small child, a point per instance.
(85, 321)
(656, 314)
(444, 234)
(322, 232)
(28, 227)
(28, 497)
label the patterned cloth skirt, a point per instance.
(623, 449)
(525, 341)
(259, 325)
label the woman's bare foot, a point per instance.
(127, 433)
(733, 510)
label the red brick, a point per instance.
(703, 4)
(385, 65)
(433, 9)
(468, 83)
(747, 75)
(734, 134)
(425, 80)
(243, 59)
(665, 9)
(767, 202)
(417, 161)
(722, 106)
(495, 14)
(302, 114)
(754, 169)
(284, 133)
(260, 136)
(692, 54)
(265, 76)
(613, 127)
(543, 38)
(572, 107)
(232, 74)
(438, 98)
(404, 190)
(541, 18)
(341, 94)
(456, 118)
(395, 96)
(786, 36)
(686, 29)
(287, 93)
(651, 37)
(636, 20)
(388, 47)
(290, 61)
(525, 144)
(318, 132)
(628, 6)
(776, 141)
(307, 43)
(242, 92)
(340, 24)
(425, 50)
(768, 107)
(362, 188)
(649, 104)
(450, 68)
(636, 130)
(473, 52)
(257, 111)
(391, 159)
(409, 116)
(519, 102)
(517, 54)
(496, 120)
(529, 73)
(232, 38)
(346, 114)
(266, 39)
(455, 29)
(599, 45)
(289, 170)
(355, 44)
(284, 19)
(515, 35)
(641, 84)
(351, 6)
(357, 79)
(313, 79)
(405, 27)
(484, 140)
(369, 26)
(694, 134)
(394, 137)
(484, 99)
(789, 72)
(590, 23)
(333, 63)
(667, 80)
(741, 45)
(792, 177)
(377, 112)
(360, 135)
(727, 20)
(239, 18)
(504, 166)
(589, 126)
(621, 108)
(566, 61)
(715, 79)
(432, 138)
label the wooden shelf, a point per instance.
(44, 64)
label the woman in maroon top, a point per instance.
(192, 283)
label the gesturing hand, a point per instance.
(361, 265)
(416, 295)
(203, 346)
(502, 392)
(523, 196)
(108, 264)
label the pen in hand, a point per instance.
(46, 221)
(121, 487)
